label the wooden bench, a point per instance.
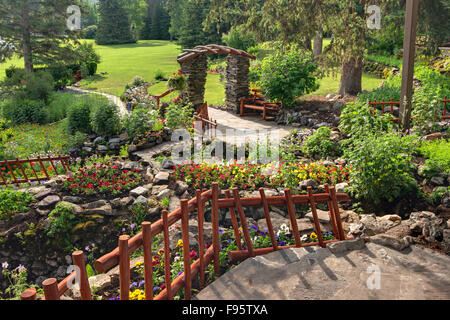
(256, 101)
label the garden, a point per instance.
(111, 185)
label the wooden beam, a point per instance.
(409, 50)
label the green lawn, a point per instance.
(123, 62)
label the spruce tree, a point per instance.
(114, 26)
(37, 31)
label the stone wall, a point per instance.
(195, 71)
(237, 86)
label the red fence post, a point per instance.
(124, 268)
(28, 294)
(167, 255)
(291, 210)
(248, 240)
(51, 289)
(315, 216)
(268, 219)
(234, 222)
(85, 288)
(148, 262)
(337, 214)
(215, 226)
(201, 242)
(186, 249)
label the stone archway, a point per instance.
(194, 66)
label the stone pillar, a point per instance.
(237, 85)
(195, 71)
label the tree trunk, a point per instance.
(351, 77)
(308, 44)
(27, 50)
(318, 42)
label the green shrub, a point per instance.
(381, 169)
(76, 140)
(159, 75)
(89, 32)
(20, 111)
(357, 121)
(178, 116)
(57, 109)
(138, 81)
(38, 86)
(320, 144)
(435, 198)
(105, 119)
(287, 76)
(438, 157)
(12, 202)
(238, 38)
(79, 117)
(62, 220)
(140, 121)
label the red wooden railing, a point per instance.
(206, 122)
(121, 255)
(392, 103)
(17, 173)
(159, 97)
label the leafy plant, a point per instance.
(177, 81)
(382, 171)
(12, 202)
(320, 144)
(438, 157)
(17, 279)
(62, 220)
(105, 119)
(179, 116)
(79, 117)
(287, 76)
(140, 121)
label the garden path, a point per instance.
(315, 273)
(228, 120)
(116, 100)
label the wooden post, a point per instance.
(201, 242)
(268, 219)
(409, 50)
(248, 240)
(148, 261)
(124, 268)
(315, 216)
(51, 289)
(186, 249)
(28, 294)
(341, 235)
(85, 288)
(291, 210)
(215, 226)
(234, 222)
(167, 275)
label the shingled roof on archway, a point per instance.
(190, 54)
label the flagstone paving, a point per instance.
(317, 274)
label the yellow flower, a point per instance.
(180, 243)
(313, 236)
(139, 264)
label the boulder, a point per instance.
(100, 282)
(139, 191)
(75, 200)
(390, 241)
(105, 210)
(43, 194)
(340, 187)
(438, 181)
(166, 193)
(142, 201)
(181, 187)
(162, 177)
(308, 183)
(167, 164)
(95, 204)
(324, 216)
(49, 202)
(347, 245)
(76, 209)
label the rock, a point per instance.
(340, 187)
(75, 200)
(95, 204)
(390, 241)
(164, 194)
(100, 282)
(68, 259)
(181, 187)
(105, 210)
(162, 178)
(330, 96)
(35, 190)
(50, 184)
(338, 106)
(401, 231)
(76, 209)
(49, 202)
(124, 137)
(434, 136)
(376, 226)
(324, 216)
(102, 148)
(438, 181)
(167, 164)
(114, 141)
(43, 194)
(98, 140)
(347, 245)
(124, 202)
(139, 191)
(149, 174)
(308, 183)
(87, 150)
(132, 166)
(141, 200)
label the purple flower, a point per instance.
(155, 289)
(132, 226)
(282, 243)
(180, 273)
(5, 265)
(86, 248)
(141, 283)
(20, 268)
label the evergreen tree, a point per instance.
(37, 31)
(114, 26)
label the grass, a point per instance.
(389, 61)
(147, 58)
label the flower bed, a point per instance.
(252, 177)
(105, 179)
